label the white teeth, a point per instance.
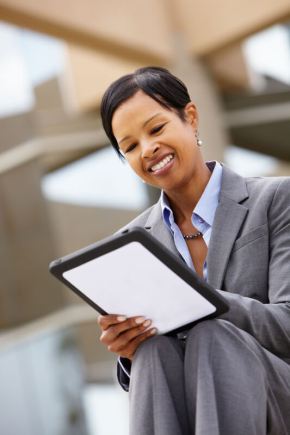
(163, 163)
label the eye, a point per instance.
(157, 129)
(131, 147)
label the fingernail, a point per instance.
(121, 318)
(139, 320)
(153, 331)
(147, 323)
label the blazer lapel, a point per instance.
(159, 230)
(229, 217)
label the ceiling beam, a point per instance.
(41, 21)
(140, 31)
(210, 25)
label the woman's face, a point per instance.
(159, 146)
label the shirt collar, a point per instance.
(207, 204)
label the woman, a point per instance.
(230, 375)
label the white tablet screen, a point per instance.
(132, 281)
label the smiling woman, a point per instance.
(233, 232)
(159, 147)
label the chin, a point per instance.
(177, 185)
(170, 184)
(170, 187)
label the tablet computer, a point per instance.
(131, 273)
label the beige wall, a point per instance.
(211, 24)
(110, 38)
(27, 246)
(89, 73)
(135, 23)
(144, 26)
(229, 68)
(16, 129)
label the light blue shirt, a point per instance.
(202, 215)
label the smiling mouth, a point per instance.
(160, 165)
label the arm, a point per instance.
(123, 372)
(122, 336)
(270, 323)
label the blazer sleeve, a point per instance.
(270, 323)
(123, 372)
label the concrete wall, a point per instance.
(26, 289)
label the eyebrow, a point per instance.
(143, 125)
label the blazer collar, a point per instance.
(229, 217)
(158, 229)
(233, 185)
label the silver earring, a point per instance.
(198, 140)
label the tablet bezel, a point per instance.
(138, 234)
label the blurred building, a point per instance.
(61, 187)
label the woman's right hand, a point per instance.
(123, 335)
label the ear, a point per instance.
(191, 114)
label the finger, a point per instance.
(115, 319)
(111, 333)
(119, 341)
(110, 319)
(135, 343)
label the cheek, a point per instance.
(187, 151)
(136, 166)
(189, 146)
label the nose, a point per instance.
(149, 148)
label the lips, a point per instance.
(161, 163)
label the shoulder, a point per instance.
(259, 194)
(140, 220)
(267, 181)
(271, 197)
(270, 187)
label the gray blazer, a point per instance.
(248, 257)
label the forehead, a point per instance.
(134, 112)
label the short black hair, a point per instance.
(157, 83)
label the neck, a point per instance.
(184, 199)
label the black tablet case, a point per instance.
(137, 250)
